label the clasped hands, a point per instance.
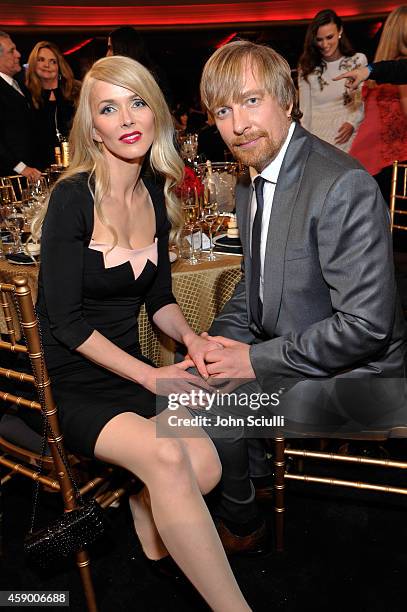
(217, 357)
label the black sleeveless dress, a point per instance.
(77, 294)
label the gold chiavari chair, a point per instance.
(17, 184)
(302, 456)
(398, 197)
(19, 456)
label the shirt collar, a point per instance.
(7, 78)
(271, 172)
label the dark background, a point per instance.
(180, 53)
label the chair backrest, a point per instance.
(398, 197)
(17, 183)
(18, 296)
(106, 484)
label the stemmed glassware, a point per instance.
(210, 212)
(190, 209)
(188, 147)
(6, 200)
(14, 222)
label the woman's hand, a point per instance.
(172, 379)
(344, 133)
(198, 347)
(354, 77)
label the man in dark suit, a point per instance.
(17, 133)
(317, 300)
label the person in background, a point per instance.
(180, 116)
(382, 137)
(329, 110)
(104, 252)
(210, 142)
(18, 138)
(388, 71)
(54, 93)
(127, 41)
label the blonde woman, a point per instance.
(104, 252)
(382, 137)
(54, 93)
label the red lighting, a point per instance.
(374, 28)
(225, 41)
(185, 14)
(78, 46)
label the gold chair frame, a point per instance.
(24, 462)
(396, 195)
(17, 182)
(280, 475)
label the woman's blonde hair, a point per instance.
(87, 154)
(393, 41)
(68, 85)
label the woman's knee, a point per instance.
(170, 455)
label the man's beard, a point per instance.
(260, 155)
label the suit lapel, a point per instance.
(8, 90)
(285, 197)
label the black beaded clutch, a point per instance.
(70, 533)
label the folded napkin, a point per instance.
(21, 259)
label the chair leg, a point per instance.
(279, 468)
(83, 563)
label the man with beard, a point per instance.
(317, 299)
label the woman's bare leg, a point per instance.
(201, 452)
(180, 513)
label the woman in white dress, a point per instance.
(330, 111)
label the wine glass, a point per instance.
(38, 192)
(190, 211)
(14, 222)
(188, 147)
(210, 212)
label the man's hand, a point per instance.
(31, 173)
(354, 77)
(344, 133)
(230, 362)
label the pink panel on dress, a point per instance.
(120, 255)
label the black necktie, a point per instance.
(256, 305)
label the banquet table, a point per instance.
(201, 291)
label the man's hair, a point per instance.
(223, 74)
(3, 35)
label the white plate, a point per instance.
(21, 263)
(173, 256)
(223, 244)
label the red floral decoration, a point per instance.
(190, 180)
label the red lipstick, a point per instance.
(131, 138)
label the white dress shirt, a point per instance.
(270, 173)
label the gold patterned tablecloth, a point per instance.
(201, 292)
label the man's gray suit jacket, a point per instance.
(330, 301)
